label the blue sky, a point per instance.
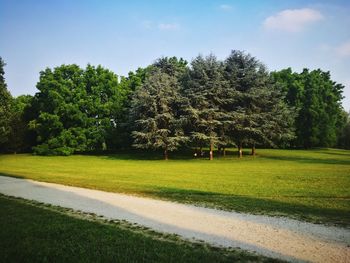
(123, 35)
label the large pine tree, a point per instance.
(257, 112)
(203, 88)
(156, 111)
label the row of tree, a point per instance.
(211, 103)
(170, 104)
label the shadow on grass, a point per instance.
(303, 159)
(255, 205)
(188, 154)
(12, 175)
(343, 153)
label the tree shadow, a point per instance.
(256, 205)
(344, 153)
(13, 175)
(303, 159)
(189, 154)
(137, 155)
(186, 154)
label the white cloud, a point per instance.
(168, 27)
(225, 7)
(292, 20)
(344, 49)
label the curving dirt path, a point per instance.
(271, 236)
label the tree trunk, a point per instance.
(240, 150)
(224, 152)
(166, 154)
(253, 150)
(219, 150)
(211, 151)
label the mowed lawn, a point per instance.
(312, 185)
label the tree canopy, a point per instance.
(156, 113)
(77, 109)
(317, 101)
(257, 112)
(203, 88)
(170, 104)
(5, 108)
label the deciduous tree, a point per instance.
(77, 109)
(317, 100)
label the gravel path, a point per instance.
(271, 236)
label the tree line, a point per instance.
(172, 104)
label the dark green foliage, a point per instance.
(5, 108)
(344, 131)
(290, 83)
(135, 79)
(14, 131)
(77, 110)
(317, 101)
(156, 112)
(121, 136)
(20, 137)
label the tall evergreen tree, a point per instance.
(203, 87)
(244, 75)
(258, 113)
(172, 66)
(156, 109)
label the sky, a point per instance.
(125, 35)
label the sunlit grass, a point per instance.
(312, 185)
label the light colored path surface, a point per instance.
(276, 237)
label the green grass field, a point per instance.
(32, 232)
(311, 185)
